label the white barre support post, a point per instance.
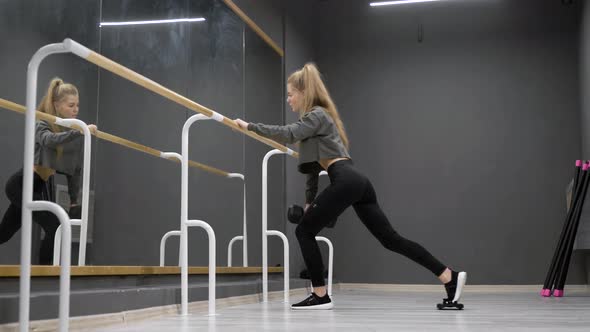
(83, 223)
(229, 248)
(163, 247)
(244, 236)
(266, 233)
(330, 260)
(169, 155)
(230, 245)
(57, 241)
(184, 223)
(212, 265)
(28, 205)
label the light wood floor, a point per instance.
(393, 309)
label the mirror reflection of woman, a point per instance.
(57, 150)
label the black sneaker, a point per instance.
(314, 302)
(455, 286)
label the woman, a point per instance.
(324, 146)
(57, 150)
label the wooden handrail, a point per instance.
(254, 27)
(124, 72)
(6, 104)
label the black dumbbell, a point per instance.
(75, 212)
(296, 212)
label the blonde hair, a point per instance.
(56, 92)
(308, 80)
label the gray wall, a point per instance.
(468, 136)
(585, 77)
(492, 84)
(299, 49)
(583, 240)
(288, 24)
(268, 15)
(296, 34)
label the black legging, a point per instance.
(11, 222)
(349, 187)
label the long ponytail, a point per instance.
(308, 80)
(56, 92)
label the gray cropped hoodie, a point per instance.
(70, 161)
(318, 137)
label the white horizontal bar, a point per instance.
(176, 20)
(402, 2)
